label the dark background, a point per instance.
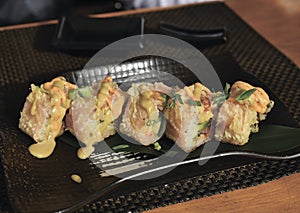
(22, 11)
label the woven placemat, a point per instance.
(196, 187)
(26, 55)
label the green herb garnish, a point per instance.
(151, 122)
(226, 90)
(157, 146)
(172, 104)
(173, 93)
(174, 96)
(220, 97)
(193, 102)
(178, 97)
(121, 146)
(43, 90)
(106, 111)
(85, 92)
(203, 125)
(245, 94)
(72, 94)
(166, 98)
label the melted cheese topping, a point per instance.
(57, 89)
(259, 99)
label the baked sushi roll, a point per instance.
(142, 118)
(188, 114)
(92, 113)
(241, 113)
(43, 113)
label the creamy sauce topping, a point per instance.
(204, 114)
(197, 90)
(146, 102)
(104, 94)
(107, 119)
(259, 99)
(57, 89)
(85, 152)
(43, 149)
(103, 114)
(104, 105)
(76, 178)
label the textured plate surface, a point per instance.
(45, 185)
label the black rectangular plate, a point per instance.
(45, 186)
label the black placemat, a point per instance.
(26, 55)
(196, 187)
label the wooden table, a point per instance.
(279, 22)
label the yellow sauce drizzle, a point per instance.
(106, 121)
(104, 105)
(85, 152)
(76, 178)
(203, 114)
(104, 93)
(146, 102)
(33, 107)
(57, 89)
(43, 149)
(197, 90)
(36, 92)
